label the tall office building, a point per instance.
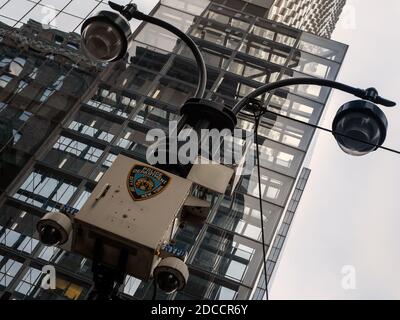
(64, 119)
(316, 16)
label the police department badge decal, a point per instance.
(146, 182)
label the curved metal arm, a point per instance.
(370, 94)
(130, 12)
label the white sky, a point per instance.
(350, 212)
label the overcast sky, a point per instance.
(350, 212)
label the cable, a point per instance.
(370, 94)
(258, 116)
(331, 131)
(327, 130)
(257, 122)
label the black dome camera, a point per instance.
(171, 275)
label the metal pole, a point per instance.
(131, 12)
(369, 94)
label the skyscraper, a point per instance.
(64, 119)
(316, 16)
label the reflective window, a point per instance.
(295, 107)
(93, 154)
(81, 9)
(241, 214)
(73, 262)
(228, 255)
(17, 65)
(227, 17)
(131, 285)
(84, 196)
(5, 61)
(132, 78)
(72, 155)
(8, 270)
(196, 7)
(28, 245)
(153, 117)
(14, 239)
(29, 281)
(21, 86)
(65, 290)
(254, 72)
(94, 126)
(109, 160)
(70, 146)
(211, 57)
(19, 227)
(160, 38)
(148, 57)
(275, 188)
(111, 102)
(322, 47)
(267, 29)
(172, 92)
(8, 10)
(316, 93)
(217, 34)
(57, 85)
(48, 253)
(314, 66)
(45, 191)
(279, 158)
(135, 141)
(3, 106)
(202, 286)
(4, 80)
(266, 51)
(232, 88)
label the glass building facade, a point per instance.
(64, 119)
(316, 16)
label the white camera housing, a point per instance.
(54, 228)
(140, 223)
(131, 217)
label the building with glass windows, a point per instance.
(64, 119)
(316, 16)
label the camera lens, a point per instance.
(50, 235)
(167, 282)
(102, 40)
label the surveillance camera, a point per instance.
(54, 228)
(171, 275)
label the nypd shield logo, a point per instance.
(146, 182)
